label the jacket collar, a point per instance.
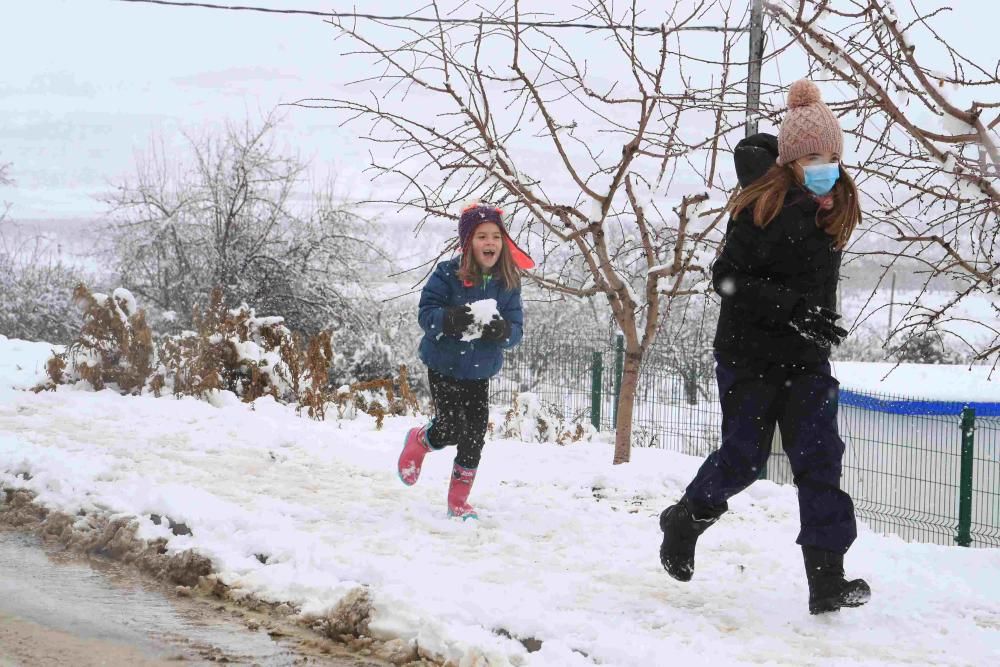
(801, 199)
(486, 278)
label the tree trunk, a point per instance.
(690, 379)
(626, 405)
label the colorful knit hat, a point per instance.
(476, 214)
(809, 125)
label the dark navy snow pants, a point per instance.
(803, 402)
(461, 416)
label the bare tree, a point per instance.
(930, 147)
(230, 218)
(579, 153)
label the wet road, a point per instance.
(56, 609)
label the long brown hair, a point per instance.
(767, 196)
(469, 270)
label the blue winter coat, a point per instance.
(465, 360)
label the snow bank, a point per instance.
(937, 382)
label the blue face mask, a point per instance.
(820, 178)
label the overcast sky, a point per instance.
(96, 80)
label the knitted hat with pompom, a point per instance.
(476, 214)
(809, 125)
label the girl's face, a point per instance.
(816, 159)
(487, 244)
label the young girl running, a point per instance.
(777, 276)
(460, 362)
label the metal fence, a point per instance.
(924, 477)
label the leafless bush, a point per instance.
(35, 290)
(229, 218)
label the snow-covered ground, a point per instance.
(565, 551)
(926, 382)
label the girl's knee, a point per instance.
(447, 430)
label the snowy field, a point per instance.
(73, 243)
(565, 551)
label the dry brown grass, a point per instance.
(115, 345)
(318, 357)
(228, 350)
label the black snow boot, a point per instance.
(828, 590)
(681, 527)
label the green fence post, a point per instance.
(596, 375)
(619, 368)
(964, 537)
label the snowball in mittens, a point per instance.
(482, 311)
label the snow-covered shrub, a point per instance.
(390, 340)
(926, 348)
(252, 356)
(233, 350)
(114, 346)
(35, 292)
(530, 420)
(865, 343)
(379, 398)
(313, 372)
(558, 317)
(347, 408)
(373, 358)
(683, 346)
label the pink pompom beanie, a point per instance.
(809, 125)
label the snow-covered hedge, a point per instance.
(35, 289)
(530, 420)
(230, 349)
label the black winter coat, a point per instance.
(762, 274)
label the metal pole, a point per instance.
(964, 537)
(756, 55)
(596, 375)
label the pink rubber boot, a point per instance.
(415, 448)
(458, 493)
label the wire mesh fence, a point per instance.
(985, 520)
(905, 472)
(561, 374)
